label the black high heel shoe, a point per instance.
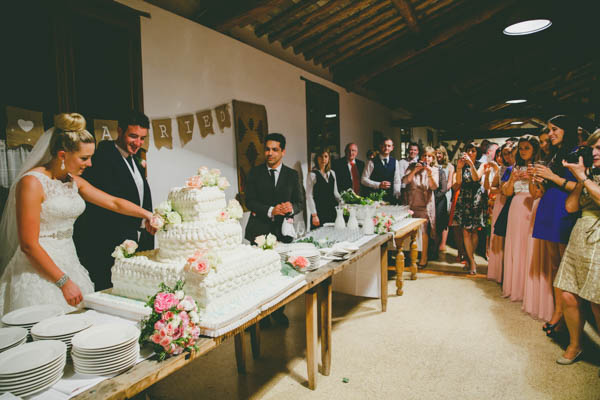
(552, 330)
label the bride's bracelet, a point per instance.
(61, 282)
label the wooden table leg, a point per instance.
(240, 352)
(311, 337)
(384, 277)
(255, 340)
(325, 311)
(399, 267)
(414, 253)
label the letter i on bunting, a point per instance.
(205, 122)
(185, 123)
(161, 131)
(23, 127)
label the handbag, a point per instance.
(502, 220)
(287, 230)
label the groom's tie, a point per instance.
(130, 161)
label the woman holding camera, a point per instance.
(471, 207)
(553, 223)
(421, 179)
(322, 195)
(519, 216)
(579, 273)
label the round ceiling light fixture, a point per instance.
(516, 123)
(527, 27)
(516, 101)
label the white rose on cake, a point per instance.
(202, 171)
(130, 246)
(163, 208)
(173, 217)
(157, 221)
(260, 240)
(271, 240)
(235, 209)
(223, 183)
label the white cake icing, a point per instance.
(241, 275)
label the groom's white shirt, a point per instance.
(135, 173)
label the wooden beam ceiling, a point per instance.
(304, 21)
(407, 11)
(245, 12)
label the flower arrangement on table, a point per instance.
(349, 197)
(207, 178)
(164, 216)
(232, 211)
(383, 223)
(267, 242)
(201, 262)
(172, 328)
(125, 250)
(299, 263)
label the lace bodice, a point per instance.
(61, 206)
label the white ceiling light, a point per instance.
(330, 115)
(516, 123)
(527, 27)
(516, 101)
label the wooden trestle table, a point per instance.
(318, 296)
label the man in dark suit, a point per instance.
(117, 170)
(273, 192)
(349, 169)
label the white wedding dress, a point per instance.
(21, 285)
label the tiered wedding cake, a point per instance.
(200, 241)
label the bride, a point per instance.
(38, 261)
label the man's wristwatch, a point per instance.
(61, 282)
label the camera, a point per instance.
(583, 151)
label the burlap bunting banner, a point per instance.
(161, 131)
(185, 124)
(205, 122)
(105, 129)
(223, 117)
(23, 127)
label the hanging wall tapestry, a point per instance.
(250, 128)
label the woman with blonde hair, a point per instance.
(38, 261)
(322, 195)
(442, 224)
(421, 179)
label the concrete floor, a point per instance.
(447, 338)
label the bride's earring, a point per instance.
(62, 165)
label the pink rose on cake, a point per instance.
(194, 182)
(164, 301)
(157, 221)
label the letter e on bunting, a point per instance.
(205, 122)
(23, 127)
(185, 123)
(105, 129)
(223, 117)
(161, 131)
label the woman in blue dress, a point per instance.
(553, 183)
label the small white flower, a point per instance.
(271, 240)
(179, 294)
(173, 217)
(215, 172)
(209, 180)
(260, 240)
(223, 183)
(163, 208)
(118, 253)
(194, 317)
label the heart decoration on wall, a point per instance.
(25, 125)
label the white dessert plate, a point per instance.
(30, 356)
(105, 366)
(42, 386)
(108, 371)
(104, 351)
(104, 358)
(61, 326)
(31, 315)
(11, 336)
(36, 373)
(34, 379)
(105, 336)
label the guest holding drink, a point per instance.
(322, 194)
(553, 223)
(519, 216)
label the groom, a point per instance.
(117, 170)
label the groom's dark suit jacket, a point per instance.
(97, 230)
(260, 196)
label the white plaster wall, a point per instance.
(188, 67)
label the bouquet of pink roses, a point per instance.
(172, 328)
(383, 223)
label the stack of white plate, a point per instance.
(12, 337)
(29, 316)
(105, 349)
(312, 255)
(62, 328)
(32, 367)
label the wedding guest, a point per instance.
(118, 170)
(516, 264)
(322, 194)
(38, 261)
(496, 245)
(553, 224)
(421, 179)
(414, 151)
(445, 164)
(579, 273)
(371, 154)
(273, 193)
(383, 173)
(349, 169)
(471, 205)
(545, 145)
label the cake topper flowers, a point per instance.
(207, 177)
(164, 215)
(172, 328)
(125, 250)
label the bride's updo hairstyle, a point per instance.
(69, 132)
